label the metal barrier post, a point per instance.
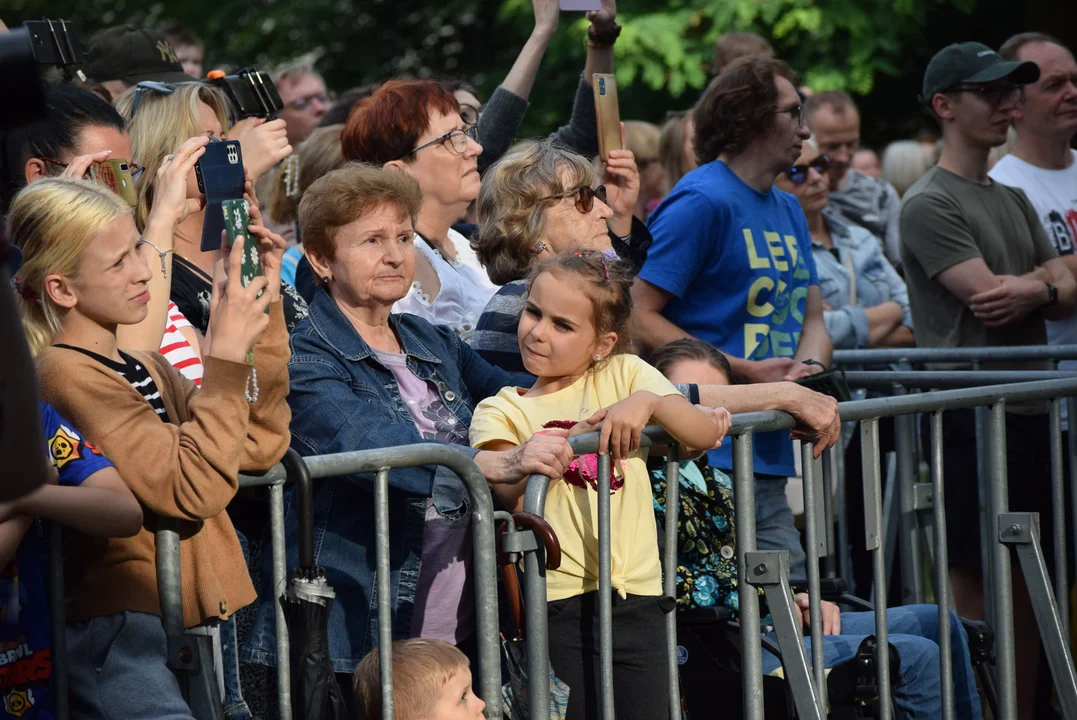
(912, 582)
(942, 569)
(844, 549)
(538, 639)
(830, 481)
(385, 617)
(60, 698)
(750, 642)
(669, 580)
(1058, 507)
(295, 469)
(815, 608)
(869, 448)
(1071, 437)
(605, 590)
(998, 503)
(1022, 531)
(770, 571)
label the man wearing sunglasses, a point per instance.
(982, 272)
(867, 201)
(731, 264)
(305, 99)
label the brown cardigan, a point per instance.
(186, 468)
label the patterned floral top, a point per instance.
(707, 536)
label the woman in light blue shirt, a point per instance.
(866, 304)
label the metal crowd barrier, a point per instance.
(769, 570)
(191, 656)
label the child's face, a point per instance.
(698, 372)
(556, 330)
(458, 701)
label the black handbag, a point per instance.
(829, 382)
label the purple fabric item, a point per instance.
(444, 608)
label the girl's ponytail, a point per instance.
(51, 222)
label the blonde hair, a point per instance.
(642, 138)
(319, 155)
(512, 203)
(163, 123)
(52, 221)
(671, 148)
(903, 163)
(421, 668)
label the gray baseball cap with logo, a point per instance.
(973, 63)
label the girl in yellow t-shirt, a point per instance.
(573, 338)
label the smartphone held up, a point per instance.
(607, 113)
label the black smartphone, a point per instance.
(220, 177)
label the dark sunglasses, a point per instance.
(150, 86)
(585, 197)
(799, 173)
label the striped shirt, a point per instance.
(177, 351)
(132, 371)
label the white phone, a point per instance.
(580, 5)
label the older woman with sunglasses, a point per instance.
(415, 127)
(866, 304)
(539, 201)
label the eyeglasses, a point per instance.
(151, 86)
(134, 169)
(993, 95)
(306, 101)
(585, 197)
(796, 112)
(798, 174)
(457, 139)
(470, 114)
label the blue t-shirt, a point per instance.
(738, 263)
(25, 635)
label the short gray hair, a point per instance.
(512, 202)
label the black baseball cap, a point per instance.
(973, 62)
(133, 54)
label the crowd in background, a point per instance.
(429, 276)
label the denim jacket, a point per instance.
(876, 282)
(342, 398)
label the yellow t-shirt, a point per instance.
(572, 511)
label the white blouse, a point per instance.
(465, 289)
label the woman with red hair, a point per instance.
(414, 126)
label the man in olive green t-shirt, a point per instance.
(981, 272)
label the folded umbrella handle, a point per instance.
(545, 533)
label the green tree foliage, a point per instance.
(663, 55)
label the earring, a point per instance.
(598, 357)
(325, 279)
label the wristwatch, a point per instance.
(1052, 295)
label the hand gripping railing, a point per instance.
(770, 570)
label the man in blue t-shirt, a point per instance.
(731, 264)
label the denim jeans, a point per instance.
(914, 631)
(774, 527)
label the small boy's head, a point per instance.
(431, 681)
(692, 361)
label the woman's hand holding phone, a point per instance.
(621, 179)
(237, 315)
(264, 145)
(170, 201)
(271, 247)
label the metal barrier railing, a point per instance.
(886, 356)
(191, 656)
(769, 570)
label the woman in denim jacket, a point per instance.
(363, 378)
(865, 301)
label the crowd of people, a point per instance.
(428, 276)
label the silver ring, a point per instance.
(170, 158)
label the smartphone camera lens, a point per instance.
(123, 167)
(602, 86)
